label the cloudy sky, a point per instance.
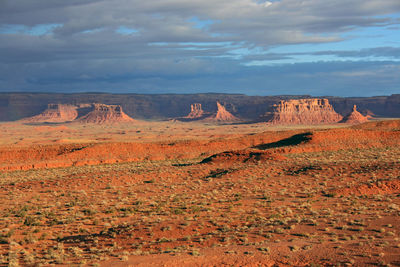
(255, 47)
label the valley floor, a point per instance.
(176, 194)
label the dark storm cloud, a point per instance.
(318, 78)
(182, 46)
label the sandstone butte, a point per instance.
(354, 117)
(222, 115)
(105, 114)
(304, 111)
(55, 113)
(196, 111)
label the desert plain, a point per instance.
(177, 193)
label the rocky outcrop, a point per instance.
(196, 111)
(83, 113)
(55, 113)
(222, 115)
(304, 111)
(16, 106)
(354, 117)
(105, 114)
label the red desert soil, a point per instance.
(183, 194)
(381, 187)
(382, 125)
(64, 155)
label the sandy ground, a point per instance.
(191, 194)
(15, 133)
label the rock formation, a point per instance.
(16, 106)
(196, 111)
(354, 117)
(304, 111)
(105, 114)
(222, 115)
(55, 113)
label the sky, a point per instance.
(253, 47)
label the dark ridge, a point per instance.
(291, 141)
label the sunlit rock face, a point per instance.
(304, 111)
(55, 113)
(222, 115)
(103, 114)
(354, 117)
(196, 111)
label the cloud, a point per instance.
(318, 78)
(386, 52)
(166, 44)
(241, 20)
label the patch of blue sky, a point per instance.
(196, 45)
(239, 52)
(243, 51)
(213, 45)
(195, 48)
(126, 30)
(159, 44)
(362, 38)
(93, 30)
(373, 37)
(218, 35)
(201, 24)
(221, 56)
(291, 60)
(37, 30)
(207, 43)
(264, 1)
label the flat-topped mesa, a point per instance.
(55, 113)
(222, 115)
(354, 117)
(304, 111)
(196, 111)
(105, 114)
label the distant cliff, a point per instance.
(15, 106)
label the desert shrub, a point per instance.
(31, 221)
